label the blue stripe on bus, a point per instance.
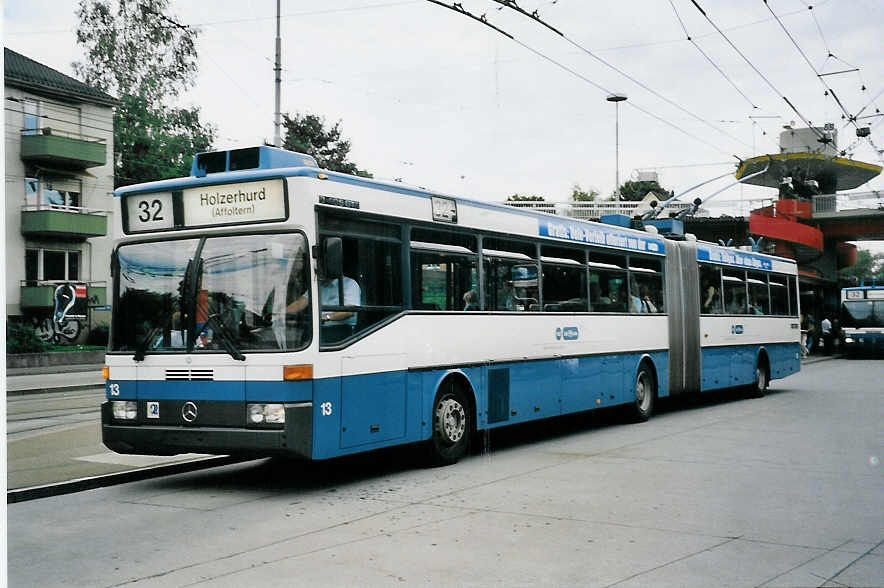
(232, 391)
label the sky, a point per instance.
(441, 101)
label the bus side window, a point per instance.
(564, 279)
(779, 295)
(511, 275)
(759, 297)
(444, 271)
(608, 291)
(734, 282)
(646, 285)
(373, 268)
(710, 289)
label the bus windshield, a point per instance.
(863, 314)
(236, 296)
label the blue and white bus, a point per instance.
(862, 319)
(264, 306)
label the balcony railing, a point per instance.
(64, 222)
(61, 148)
(40, 294)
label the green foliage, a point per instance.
(517, 198)
(22, 338)
(869, 268)
(579, 195)
(307, 134)
(135, 51)
(636, 191)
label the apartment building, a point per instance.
(59, 184)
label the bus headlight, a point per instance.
(272, 414)
(848, 339)
(124, 410)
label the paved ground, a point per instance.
(782, 491)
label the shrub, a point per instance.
(97, 336)
(22, 338)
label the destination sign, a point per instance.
(234, 203)
(599, 235)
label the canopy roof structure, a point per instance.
(832, 173)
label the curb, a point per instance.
(78, 388)
(93, 482)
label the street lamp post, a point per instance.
(617, 99)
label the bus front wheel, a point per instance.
(452, 425)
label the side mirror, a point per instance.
(332, 260)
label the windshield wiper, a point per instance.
(226, 337)
(141, 348)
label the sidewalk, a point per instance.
(53, 379)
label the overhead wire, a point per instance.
(829, 90)
(458, 8)
(511, 4)
(709, 59)
(816, 131)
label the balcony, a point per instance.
(63, 222)
(39, 295)
(62, 149)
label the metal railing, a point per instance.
(51, 131)
(65, 208)
(92, 284)
(592, 210)
(825, 203)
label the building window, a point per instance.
(57, 194)
(52, 265)
(32, 257)
(32, 117)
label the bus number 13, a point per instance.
(326, 408)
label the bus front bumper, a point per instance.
(294, 440)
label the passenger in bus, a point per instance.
(635, 301)
(509, 302)
(754, 306)
(646, 304)
(737, 304)
(471, 300)
(711, 299)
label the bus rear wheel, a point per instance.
(762, 379)
(452, 425)
(645, 393)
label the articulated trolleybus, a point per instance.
(264, 306)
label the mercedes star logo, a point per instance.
(188, 411)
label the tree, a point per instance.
(134, 50)
(517, 198)
(635, 191)
(869, 267)
(578, 195)
(307, 134)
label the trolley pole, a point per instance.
(277, 68)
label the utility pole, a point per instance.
(277, 68)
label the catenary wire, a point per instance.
(534, 16)
(458, 8)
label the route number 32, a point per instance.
(150, 211)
